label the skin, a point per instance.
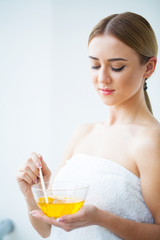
(130, 129)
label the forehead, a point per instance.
(108, 46)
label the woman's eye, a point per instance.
(117, 69)
(95, 67)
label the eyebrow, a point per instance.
(110, 60)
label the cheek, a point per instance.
(121, 80)
(125, 82)
(130, 83)
(93, 77)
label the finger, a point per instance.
(40, 163)
(31, 174)
(45, 170)
(36, 159)
(65, 226)
(40, 156)
(40, 215)
(33, 166)
(70, 218)
(23, 176)
(81, 215)
(31, 169)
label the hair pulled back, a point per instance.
(133, 30)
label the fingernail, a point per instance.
(39, 155)
(34, 158)
(38, 165)
(60, 219)
(36, 180)
(33, 213)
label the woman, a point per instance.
(119, 157)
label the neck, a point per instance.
(132, 111)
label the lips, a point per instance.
(106, 91)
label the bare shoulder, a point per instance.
(83, 129)
(148, 136)
(79, 133)
(147, 153)
(147, 147)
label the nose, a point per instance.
(104, 76)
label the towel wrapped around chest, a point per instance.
(111, 187)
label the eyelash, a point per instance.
(118, 69)
(113, 69)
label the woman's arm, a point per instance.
(27, 175)
(41, 227)
(127, 229)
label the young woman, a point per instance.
(119, 157)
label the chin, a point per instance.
(109, 103)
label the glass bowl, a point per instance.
(60, 198)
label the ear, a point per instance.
(150, 67)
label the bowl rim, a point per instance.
(84, 186)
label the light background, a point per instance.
(45, 90)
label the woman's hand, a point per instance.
(86, 216)
(28, 174)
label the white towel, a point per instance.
(111, 187)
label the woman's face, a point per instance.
(115, 70)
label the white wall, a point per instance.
(45, 91)
(26, 53)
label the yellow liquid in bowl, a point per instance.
(57, 207)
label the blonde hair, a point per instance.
(135, 31)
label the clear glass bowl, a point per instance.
(63, 197)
